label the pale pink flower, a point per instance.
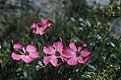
(76, 55)
(46, 22)
(17, 46)
(41, 27)
(27, 55)
(53, 53)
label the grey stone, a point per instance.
(95, 3)
(116, 29)
(102, 3)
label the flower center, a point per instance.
(77, 53)
(26, 53)
(57, 53)
(59, 60)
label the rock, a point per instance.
(116, 29)
(102, 3)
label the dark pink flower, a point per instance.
(53, 54)
(27, 55)
(41, 27)
(76, 55)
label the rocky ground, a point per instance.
(47, 8)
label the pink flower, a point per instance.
(46, 22)
(53, 54)
(41, 27)
(17, 46)
(27, 55)
(76, 55)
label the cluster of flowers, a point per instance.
(41, 27)
(56, 54)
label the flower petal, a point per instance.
(34, 55)
(67, 53)
(85, 53)
(73, 46)
(72, 61)
(48, 49)
(86, 60)
(83, 61)
(46, 60)
(43, 28)
(26, 59)
(38, 31)
(79, 48)
(35, 31)
(31, 48)
(34, 25)
(80, 60)
(15, 56)
(58, 46)
(44, 21)
(17, 46)
(54, 62)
